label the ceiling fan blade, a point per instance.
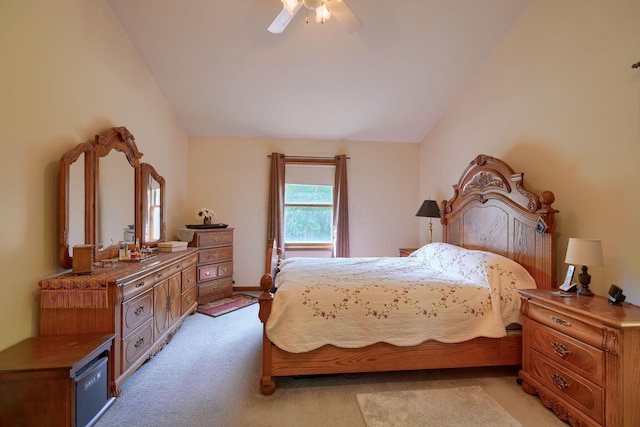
(282, 20)
(344, 15)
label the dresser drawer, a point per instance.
(136, 311)
(581, 393)
(188, 299)
(225, 269)
(207, 272)
(135, 287)
(591, 333)
(136, 344)
(215, 254)
(215, 289)
(218, 238)
(188, 262)
(581, 358)
(189, 277)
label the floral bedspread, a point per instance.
(441, 292)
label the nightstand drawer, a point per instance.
(581, 358)
(584, 395)
(567, 324)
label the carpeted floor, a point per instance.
(208, 375)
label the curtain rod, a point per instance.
(308, 157)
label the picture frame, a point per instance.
(567, 285)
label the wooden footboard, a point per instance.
(379, 357)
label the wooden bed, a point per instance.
(490, 210)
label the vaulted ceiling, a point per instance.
(224, 74)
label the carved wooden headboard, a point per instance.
(492, 210)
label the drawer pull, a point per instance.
(139, 285)
(139, 343)
(189, 299)
(139, 311)
(560, 321)
(560, 382)
(560, 349)
(189, 278)
(159, 276)
(179, 266)
(206, 273)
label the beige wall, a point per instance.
(230, 176)
(68, 72)
(559, 101)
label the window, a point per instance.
(308, 207)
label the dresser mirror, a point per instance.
(76, 195)
(115, 200)
(153, 224)
(108, 196)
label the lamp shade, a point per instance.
(429, 209)
(584, 252)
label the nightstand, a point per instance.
(407, 251)
(581, 355)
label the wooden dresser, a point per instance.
(581, 355)
(215, 263)
(144, 303)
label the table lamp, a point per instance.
(585, 252)
(429, 209)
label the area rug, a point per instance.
(226, 305)
(452, 407)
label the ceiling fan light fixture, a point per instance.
(290, 5)
(322, 14)
(313, 4)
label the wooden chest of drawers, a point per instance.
(581, 355)
(215, 263)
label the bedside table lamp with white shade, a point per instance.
(585, 252)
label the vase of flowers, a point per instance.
(206, 215)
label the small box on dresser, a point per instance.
(581, 355)
(215, 263)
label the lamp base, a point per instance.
(585, 279)
(585, 292)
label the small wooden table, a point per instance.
(404, 252)
(37, 378)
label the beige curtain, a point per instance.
(340, 210)
(275, 225)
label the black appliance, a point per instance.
(92, 391)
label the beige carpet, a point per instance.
(450, 407)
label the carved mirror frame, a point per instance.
(67, 159)
(116, 139)
(120, 140)
(148, 175)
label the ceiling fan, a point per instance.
(323, 8)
